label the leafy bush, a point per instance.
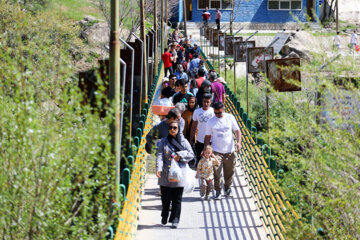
(321, 157)
(56, 168)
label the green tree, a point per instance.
(56, 166)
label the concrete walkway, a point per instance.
(230, 218)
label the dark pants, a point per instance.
(198, 149)
(174, 196)
(217, 23)
(205, 22)
(170, 69)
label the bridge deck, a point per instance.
(230, 218)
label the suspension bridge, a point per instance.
(257, 210)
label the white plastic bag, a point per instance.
(175, 173)
(190, 180)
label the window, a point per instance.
(226, 4)
(202, 4)
(213, 4)
(284, 4)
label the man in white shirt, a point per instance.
(219, 130)
(337, 41)
(200, 117)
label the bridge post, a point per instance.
(114, 93)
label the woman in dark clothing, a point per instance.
(177, 147)
(204, 88)
(187, 116)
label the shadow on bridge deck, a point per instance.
(230, 218)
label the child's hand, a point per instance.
(177, 158)
(197, 175)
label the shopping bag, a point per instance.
(357, 48)
(190, 180)
(175, 173)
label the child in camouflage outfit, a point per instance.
(205, 171)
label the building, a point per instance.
(249, 11)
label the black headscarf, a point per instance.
(188, 105)
(176, 141)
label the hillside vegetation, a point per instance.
(56, 166)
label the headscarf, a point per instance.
(176, 141)
(188, 105)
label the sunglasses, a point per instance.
(172, 128)
(218, 113)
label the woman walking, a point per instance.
(176, 147)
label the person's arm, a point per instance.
(207, 134)
(238, 139)
(159, 159)
(207, 140)
(193, 131)
(199, 166)
(217, 162)
(189, 153)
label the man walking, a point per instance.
(219, 130)
(200, 117)
(206, 16)
(353, 41)
(218, 18)
(217, 88)
(167, 59)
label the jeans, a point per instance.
(169, 69)
(174, 196)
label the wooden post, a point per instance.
(185, 14)
(166, 21)
(337, 15)
(234, 53)
(114, 85)
(162, 26)
(143, 38)
(155, 38)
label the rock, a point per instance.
(297, 48)
(301, 44)
(89, 18)
(293, 55)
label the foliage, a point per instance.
(320, 155)
(56, 163)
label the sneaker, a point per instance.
(163, 221)
(207, 198)
(218, 195)
(202, 197)
(228, 192)
(174, 225)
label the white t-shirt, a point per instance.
(337, 40)
(221, 131)
(202, 117)
(353, 38)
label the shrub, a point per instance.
(56, 168)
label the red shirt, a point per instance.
(199, 81)
(166, 59)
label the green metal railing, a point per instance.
(258, 166)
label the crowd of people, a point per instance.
(197, 132)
